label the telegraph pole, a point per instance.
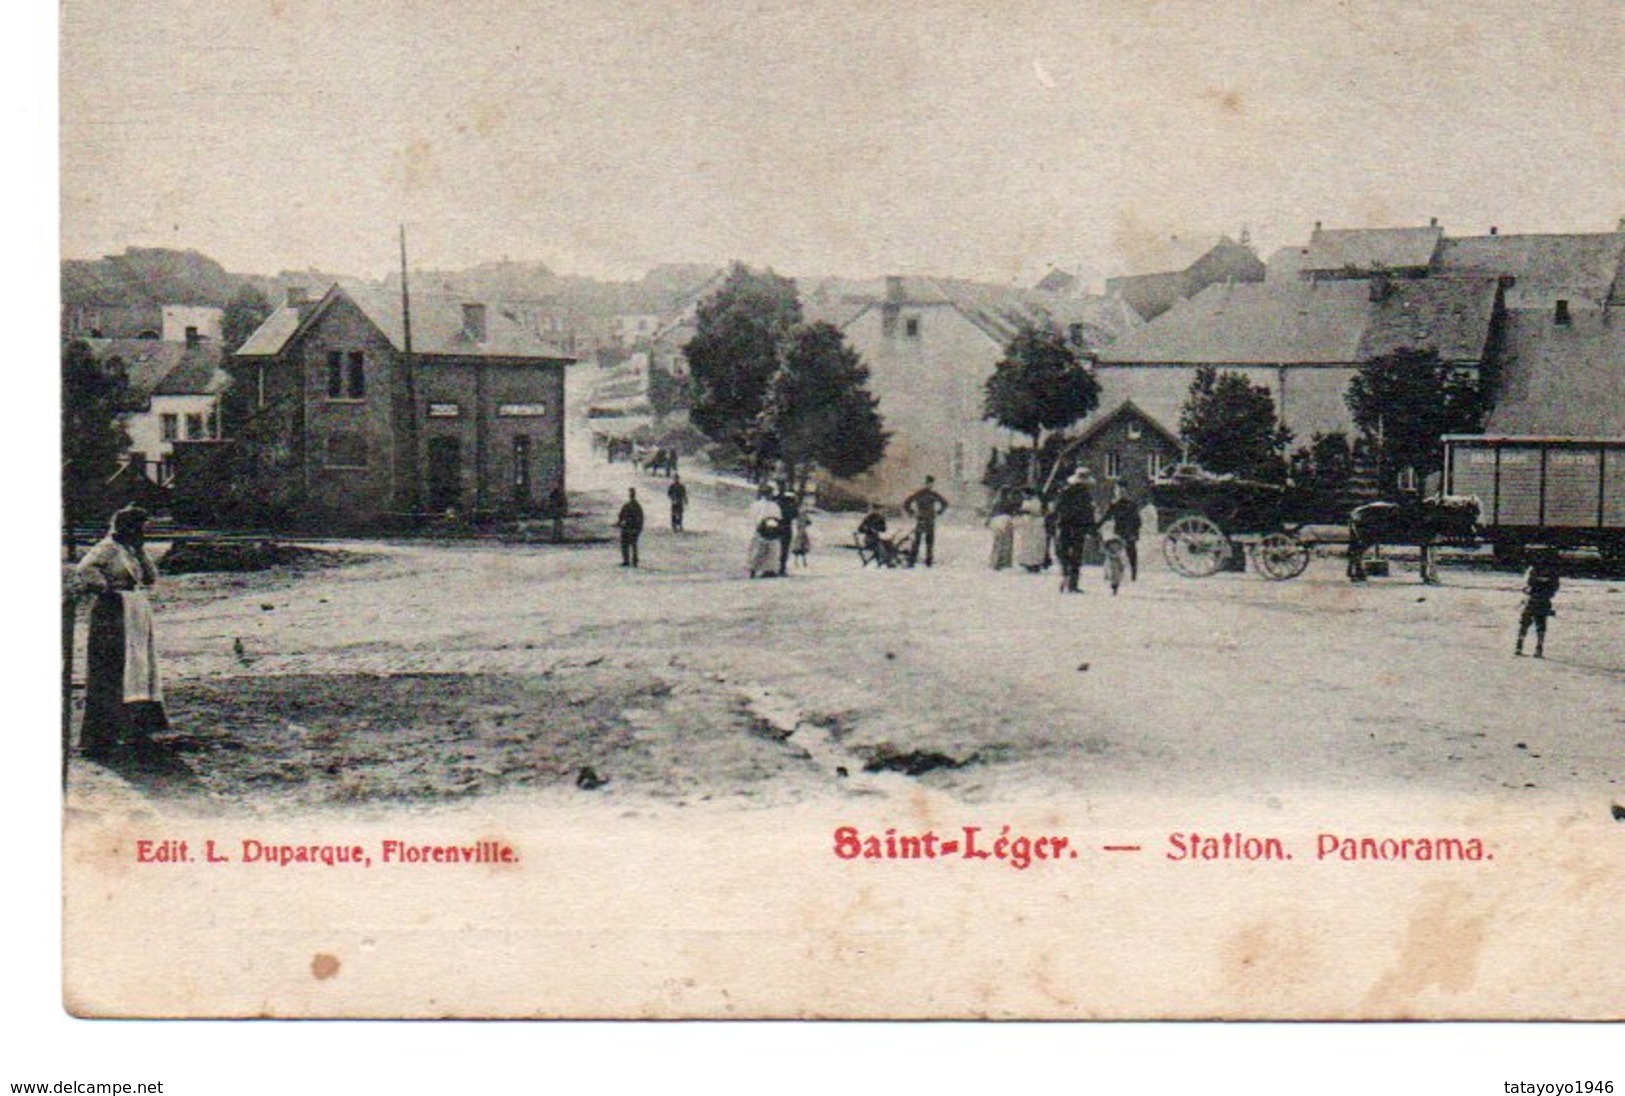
(409, 382)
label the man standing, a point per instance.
(1074, 516)
(1124, 514)
(678, 494)
(789, 509)
(923, 506)
(630, 523)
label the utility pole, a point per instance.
(409, 382)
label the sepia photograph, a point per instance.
(1109, 510)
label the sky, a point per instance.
(971, 139)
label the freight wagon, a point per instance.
(1553, 492)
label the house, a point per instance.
(357, 418)
(1342, 253)
(930, 345)
(1303, 340)
(1150, 295)
(1129, 446)
(174, 396)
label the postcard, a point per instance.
(1081, 511)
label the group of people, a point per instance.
(1025, 531)
(779, 530)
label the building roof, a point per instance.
(1579, 267)
(1150, 295)
(1253, 323)
(1451, 316)
(999, 311)
(437, 326)
(1130, 407)
(1561, 379)
(155, 368)
(1315, 323)
(1342, 250)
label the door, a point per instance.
(445, 474)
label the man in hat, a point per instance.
(1074, 518)
(923, 506)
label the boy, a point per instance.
(1116, 561)
(1540, 586)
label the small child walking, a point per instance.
(1116, 562)
(1540, 585)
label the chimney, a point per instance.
(1317, 226)
(474, 322)
(1495, 230)
(192, 337)
(894, 289)
(1621, 226)
(1433, 222)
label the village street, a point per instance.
(427, 672)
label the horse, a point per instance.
(1422, 522)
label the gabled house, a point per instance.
(358, 419)
(1150, 295)
(930, 345)
(174, 396)
(1337, 253)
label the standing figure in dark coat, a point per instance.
(923, 506)
(1074, 523)
(1124, 514)
(678, 494)
(630, 523)
(789, 510)
(124, 699)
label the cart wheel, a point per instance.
(1281, 556)
(1195, 547)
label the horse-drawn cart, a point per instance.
(1205, 519)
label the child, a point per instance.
(1116, 561)
(1539, 587)
(801, 541)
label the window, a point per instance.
(346, 451)
(911, 327)
(194, 427)
(1561, 316)
(346, 375)
(170, 425)
(259, 384)
(1407, 479)
(1153, 465)
(1074, 334)
(1114, 464)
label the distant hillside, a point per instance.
(147, 277)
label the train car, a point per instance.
(1535, 491)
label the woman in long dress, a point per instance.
(765, 516)
(124, 699)
(1002, 524)
(1030, 535)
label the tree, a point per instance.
(741, 329)
(1039, 385)
(244, 313)
(94, 395)
(819, 411)
(1325, 465)
(1230, 427)
(1404, 403)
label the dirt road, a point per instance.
(440, 671)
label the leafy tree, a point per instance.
(94, 394)
(243, 315)
(1230, 426)
(819, 411)
(1404, 403)
(1325, 465)
(1039, 385)
(735, 351)
(666, 392)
